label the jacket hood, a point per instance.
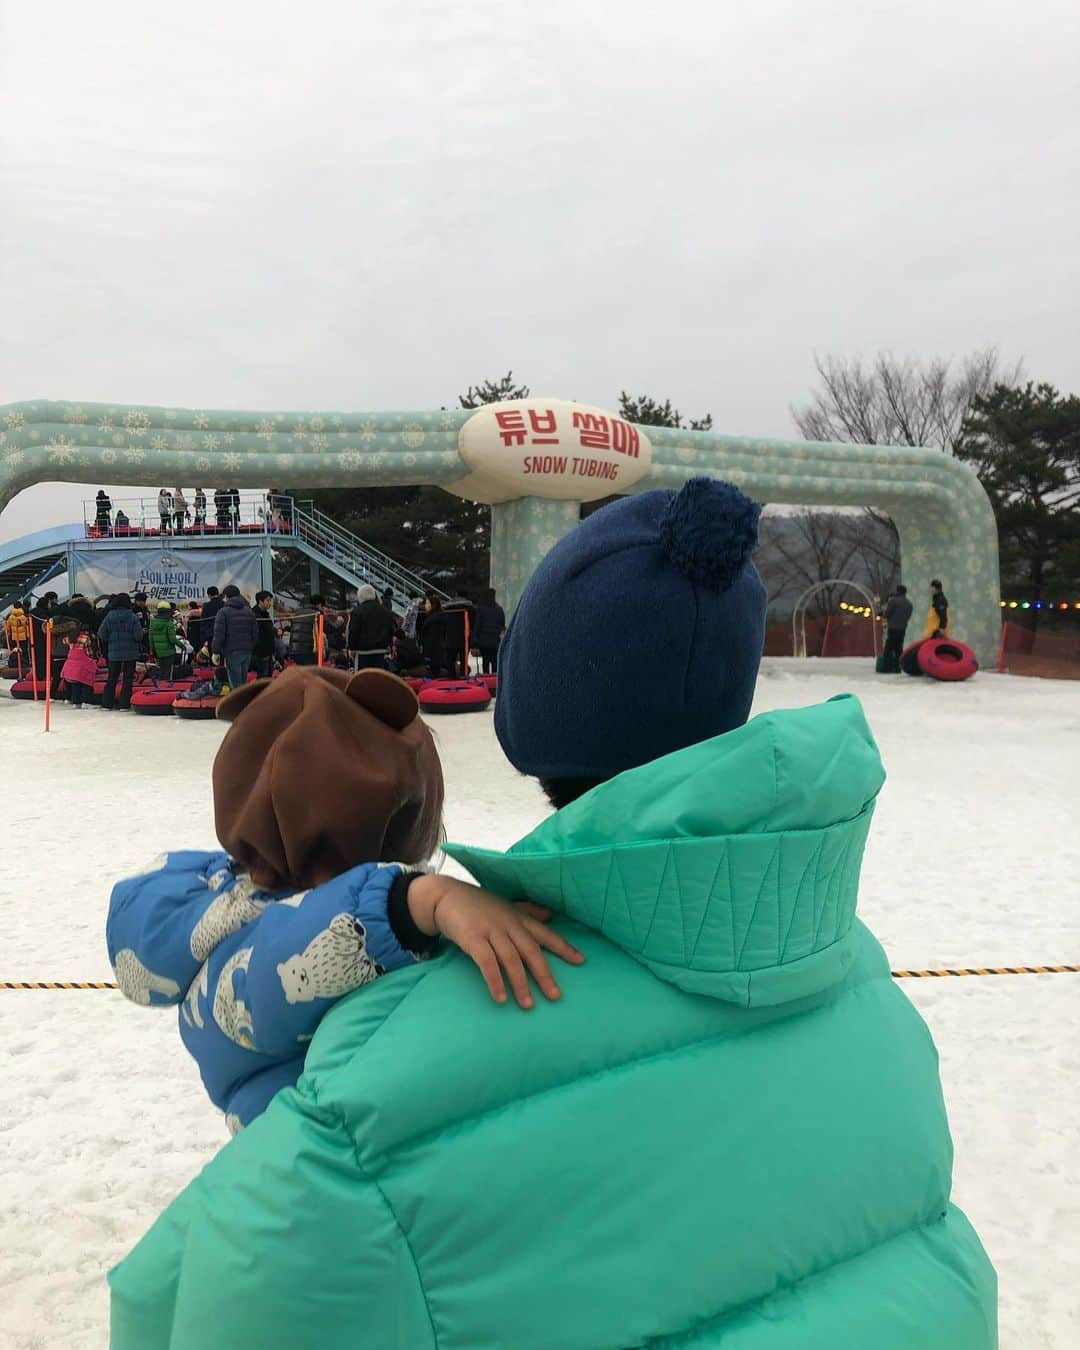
(730, 868)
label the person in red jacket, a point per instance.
(80, 666)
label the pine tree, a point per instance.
(1024, 443)
(648, 412)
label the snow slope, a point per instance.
(974, 859)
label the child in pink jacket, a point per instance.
(80, 667)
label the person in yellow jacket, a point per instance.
(937, 619)
(17, 631)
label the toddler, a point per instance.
(326, 788)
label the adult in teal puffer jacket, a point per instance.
(730, 1133)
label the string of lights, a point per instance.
(1040, 604)
(863, 611)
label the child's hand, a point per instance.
(499, 936)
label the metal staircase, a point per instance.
(356, 562)
(27, 563)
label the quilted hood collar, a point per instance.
(729, 868)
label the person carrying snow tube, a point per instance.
(728, 1133)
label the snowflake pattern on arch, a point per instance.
(137, 422)
(63, 451)
(413, 436)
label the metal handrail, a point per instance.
(144, 517)
(320, 529)
(305, 522)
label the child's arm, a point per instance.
(155, 927)
(497, 935)
(305, 953)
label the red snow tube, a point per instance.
(197, 709)
(24, 688)
(415, 683)
(909, 658)
(454, 696)
(490, 683)
(156, 700)
(946, 659)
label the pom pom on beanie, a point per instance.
(709, 531)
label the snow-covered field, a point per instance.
(974, 859)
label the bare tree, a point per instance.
(899, 401)
(894, 401)
(809, 548)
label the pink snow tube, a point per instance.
(947, 659)
(454, 696)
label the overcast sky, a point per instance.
(369, 204)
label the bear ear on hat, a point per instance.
(390, 699)
(232, 705)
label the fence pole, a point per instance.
(48, 672)
(1001, 648)
(320, 630)
(33, 657)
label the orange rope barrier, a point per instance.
(987, 970)
(320, 633)
(896, 974)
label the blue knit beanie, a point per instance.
(640, 633)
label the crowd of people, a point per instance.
(218, 510)
(229, 635)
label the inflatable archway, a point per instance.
(535, 461)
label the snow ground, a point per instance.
(974, 859)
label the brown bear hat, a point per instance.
(321, 771)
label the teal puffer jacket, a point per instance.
(730, 1132)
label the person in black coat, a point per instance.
(121, 636)
(371, 631)
(235, 633)
(39, 616)
(490, 624)
(103, 512)
(262, 656)
(940, 605)
(210, 609)
(431, 626)
(460, 620)
(898, 609)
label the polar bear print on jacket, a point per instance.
(230, 1012)
(137, 982)
(200, 985)
(333, 963)
(224, 915)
